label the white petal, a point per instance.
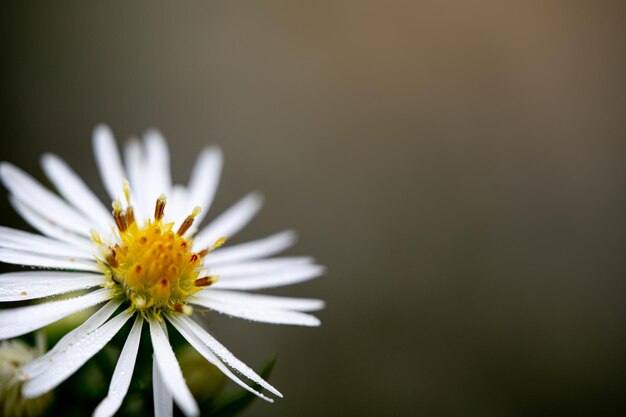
(74, 357)
(229, 222)
(11, 256)
(157, 166)
(21, 320)
(206, 345)
(261, 300)
(176, 209)
(26, 189)
(191, 327)
(169, 368)
(108, 162)
(48, 227)
(261, 266)
(40, 364)
(135, 168)
(260, 248)
(158, 158)
(120, 381)
(133, 159)
(163, 402)
(205, 178)
(74, 190)
(261, 314)
(28, 285)
(31, 242)
(270, 280)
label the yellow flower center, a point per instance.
(153, 267)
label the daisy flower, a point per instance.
(145, 262)
(14, 354)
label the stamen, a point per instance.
(118, 216)
(219, 242)
(126, 187)
(110, 258)
(183, 308)
(206, 281)
(95, 237)
(188, 221)
(130, 215)
(159, 208)
(139, 301)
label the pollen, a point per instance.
(151, 266)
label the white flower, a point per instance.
(14, 354)
(145, 261)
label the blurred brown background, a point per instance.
(458, 166)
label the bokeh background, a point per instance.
(459, 166)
